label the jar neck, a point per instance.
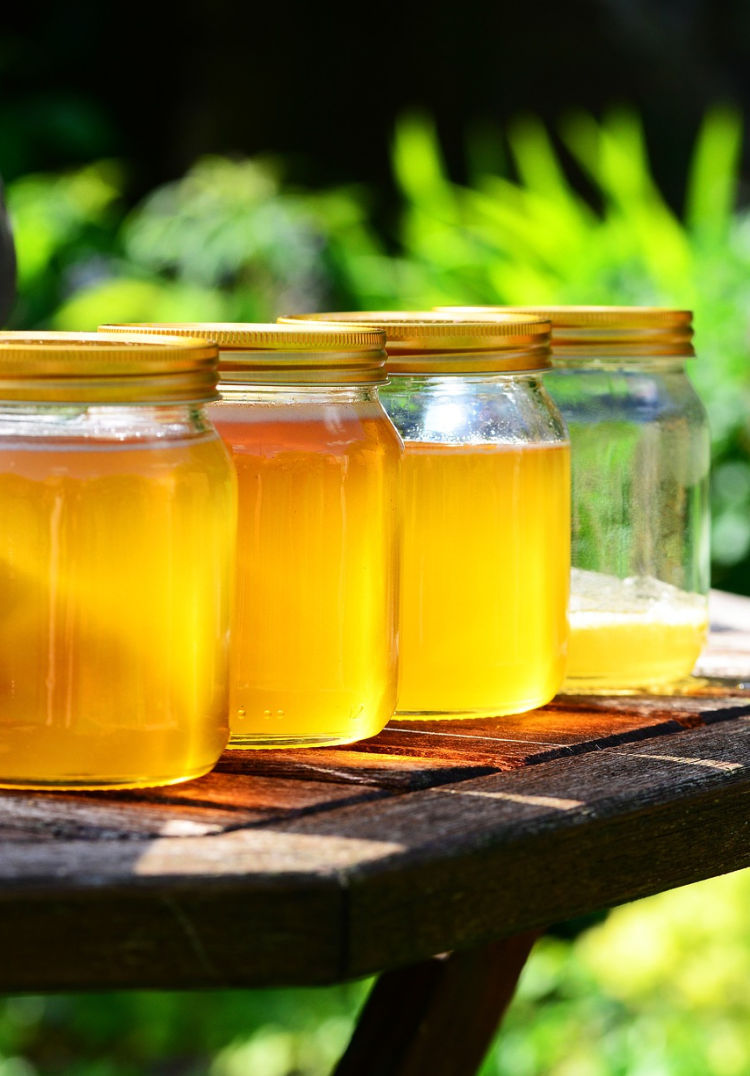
(657, 364)
(233, 392)
(457, 384)
(110, 422)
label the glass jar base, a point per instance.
(520, 707)
(75, 783)
(267, 743)
(678, 685)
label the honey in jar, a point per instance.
(314, 635)
(485, 496)
(117, 530)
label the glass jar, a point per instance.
(485, 514)
(117, 503)
(314, 637)
(641, 452)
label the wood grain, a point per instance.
(570, 725)
(347, 765)
(211, 804)
(548, 842)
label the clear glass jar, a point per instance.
(485, 514)
(314, 646)
(641, 454)
(117, 508)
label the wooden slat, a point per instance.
(572, 725)
(510, 852)
(383, 770)
(727, 655)
(211, 804)
(729, 611)
(172, 939)
(354, 889)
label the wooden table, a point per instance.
(453, 838)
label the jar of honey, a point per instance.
(485, 513)
(117, 531)
(641, 453)
(314, 646)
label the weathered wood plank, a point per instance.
(729, 611)
(358, 888)
(727, 655)
(510, 852)
(246, 936)
(569, 725)
(347, 765)
(211, 804)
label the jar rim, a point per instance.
(272, 353)
(429, 341)
(66, 367)
(619, 331)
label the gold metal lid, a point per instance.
(429, 342)
(61, 367)
(285, 354)
(604, 331)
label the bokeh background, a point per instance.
(234, 162)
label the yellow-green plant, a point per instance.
(532, 237)
(574, 218)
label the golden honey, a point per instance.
(314, 638)
(117, 530)
(485, 501)
(114, 586)
(485, 558)
(628, 634)
(314, 646)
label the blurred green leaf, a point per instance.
(233, 240)
(712, 179)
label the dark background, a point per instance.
(322, 85)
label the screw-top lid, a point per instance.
(60, 367)
(430, 342)
(285, 354)
(603, 331)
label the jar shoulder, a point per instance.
(341, 427)
(455, 410)
(641, 395)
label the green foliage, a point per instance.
(219, 1033)
(535, 238)
(659, 988)
(227, 242)
(62, 224)
(573, 218)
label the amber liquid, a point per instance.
(633, 634)
(115, 590)
(484, 571)
(314, 634)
